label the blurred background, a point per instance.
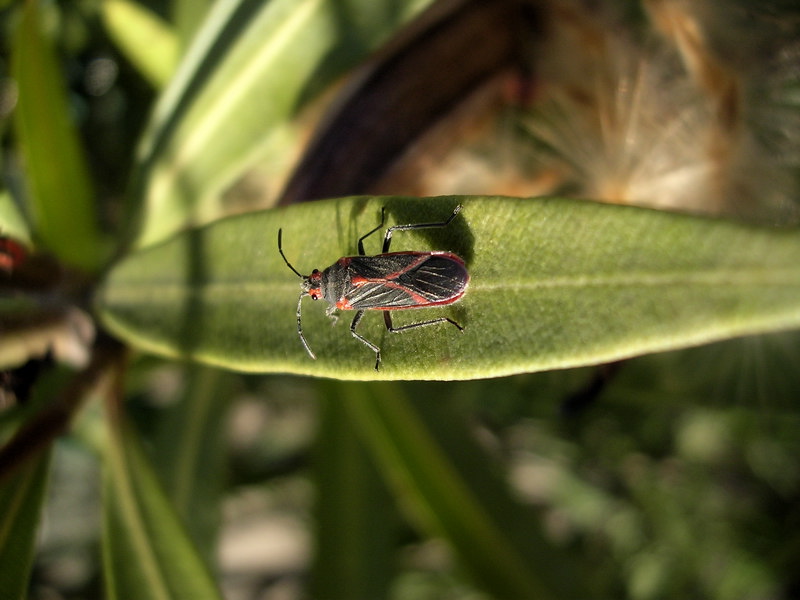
(674, 475)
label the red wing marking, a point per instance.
(404, 280)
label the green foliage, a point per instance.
(59, 184)
(554, 283)
(147, 552)
(671, 470)
(278, 56)
(423, 449)
(149, 43)
(13, 224)
(355, 525)
(21, 497)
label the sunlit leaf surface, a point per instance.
(554, 283)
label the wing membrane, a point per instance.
(406, 280)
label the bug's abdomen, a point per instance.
(400, 280)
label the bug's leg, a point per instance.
(387, 240)
(300, 328)
(387, 319)
(365, 341)
(366, 235)
(331, 312)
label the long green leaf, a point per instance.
(146, 40)
(56, 171)
(21, 499)
(12, 222)
(356, 521)
(188, 15)
(147, 553)
(424, 449)
(250, 69)
(191, 450)
(554, 283)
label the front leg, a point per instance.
(365, 341)
(331, 312)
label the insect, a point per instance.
(387, 281)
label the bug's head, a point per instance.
(311, 285)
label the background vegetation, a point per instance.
(154, 445)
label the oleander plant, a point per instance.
(614, 414)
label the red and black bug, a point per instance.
(387, 281)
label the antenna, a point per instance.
(288, 264)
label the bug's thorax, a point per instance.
(334, 281)
(328, 285)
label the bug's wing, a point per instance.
(378, 296)
(436, 277)
(407, 280)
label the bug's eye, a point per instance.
(314, 296)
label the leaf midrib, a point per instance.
(788, 277)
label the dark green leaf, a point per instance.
(425, 450)
(355, 516)
(21, 497)
(190, 446)
(250, 69)
(147, 553)
(56, 173)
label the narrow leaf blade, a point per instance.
(56, 171)
(425, 451)
(239, 86)
(21, 498)
(355, 524)
(554, 283)
(12, 223)
(191, 449)
(147, 553)
(148, 42)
